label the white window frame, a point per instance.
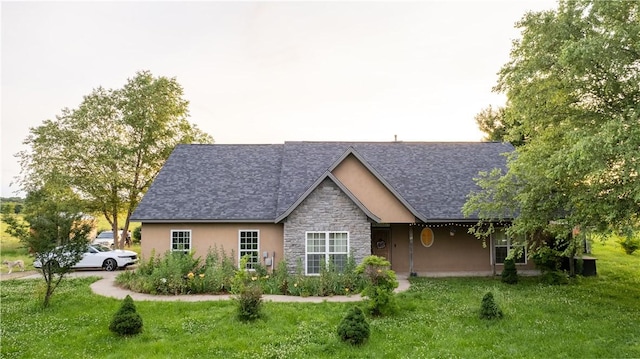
(189, 243)
(326, 252)
(509, 246)
(242, 252)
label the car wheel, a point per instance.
(110, 265)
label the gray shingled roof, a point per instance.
(262, 182)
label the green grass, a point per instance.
(592, 317)
(11, 249)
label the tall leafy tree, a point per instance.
(111, 147)
(573, 96)
(54, 228)
(498, 127)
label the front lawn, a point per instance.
(592, 318)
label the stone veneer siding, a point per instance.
(327, 208)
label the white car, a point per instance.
(105, 238)
(102, 257)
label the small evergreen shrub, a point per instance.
(509, 272)
(137, 234)
(126, 321)
(489, 309)
(380, 281)
(353, 328)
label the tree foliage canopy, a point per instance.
(573, 101)
(53, 228)
(111, 147)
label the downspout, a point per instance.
(411, 272)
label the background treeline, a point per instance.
(11, 204)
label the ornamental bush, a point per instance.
(630, 244)
(547, 259)
(489, 309)
(249, 303)
(137, 234)
(248, 293)
(353, 328)
(510, 273)
(126, 321)
(380, 281)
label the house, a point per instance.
(309, 202)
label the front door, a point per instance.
(381, 243)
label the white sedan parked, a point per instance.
(101, 257)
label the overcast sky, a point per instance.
(265, 72)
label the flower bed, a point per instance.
(177, 273)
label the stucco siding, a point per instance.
(223, 236)
(371, 192)
(327, 208)
(459, 254)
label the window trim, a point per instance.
(509, 247)
(240, 246)
(327, 254)
(190, 240)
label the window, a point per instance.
(181, 241)
(326, 247)
(504, 246)
(249, 241)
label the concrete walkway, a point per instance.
(106, 286)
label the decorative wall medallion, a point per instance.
(426, 237)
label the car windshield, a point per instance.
(100, 248)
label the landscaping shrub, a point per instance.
(249, 293)
(489, 309)
(353, 328)
(554, 277)
(350, 280)
(380, 281)
(137, 234)
(510, 272)
(630, 244)
(126, 321)
(549, 261)
(280, 278)
(249, 303)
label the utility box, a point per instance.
(588, 265)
